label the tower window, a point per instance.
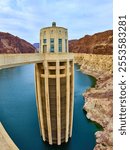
(66, 45)
(52, 48)
(60, 45)
(44, 48)
(52, 40)
(51, 44)
(44, 41)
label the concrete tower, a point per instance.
(55, 85)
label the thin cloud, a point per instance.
(24, 18)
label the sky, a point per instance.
(25, 18)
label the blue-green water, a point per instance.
(18, 111)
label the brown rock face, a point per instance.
(99, 43)
(13, 44)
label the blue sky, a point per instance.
(24, 18)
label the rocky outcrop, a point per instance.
(98, 100)
(13, 44)
(99, 43)
(36, 45)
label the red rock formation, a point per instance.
(99, 43)
(13, 44)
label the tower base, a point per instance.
(55, 96)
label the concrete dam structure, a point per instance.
(54, 82)
(55, 85)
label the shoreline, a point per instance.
(98, 99)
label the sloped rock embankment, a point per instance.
(98, 100)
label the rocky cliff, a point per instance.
(13, 44)
(98, 100)
(99, 43)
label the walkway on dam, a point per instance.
(12, 60)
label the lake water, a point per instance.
(18, 112)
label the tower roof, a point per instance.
(53, 24)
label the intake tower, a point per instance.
(55, 85)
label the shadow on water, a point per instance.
(18, 111)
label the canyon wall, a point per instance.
(99, 43)
(13, 44)
(98, 100)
